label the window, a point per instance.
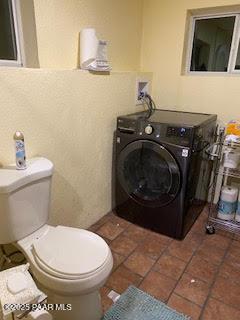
(10, 49)
(214, 44)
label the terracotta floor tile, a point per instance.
(107, 240)
(233, 256)
(119, 221)
(184, 306)
(158, 285)
(199, 226)
(151, 247)
(136, 233)
(99, 223)
(211, 253)
(170, 266)
(139, 263)
(194, 239)
(192, 289)
(226, 234)
(202, 269)
(216, 310)
(181, 250)
(106, 302)
(105, 218)
(160, 238)
(123, 245)
(236, 241)
(122, 278)
(204, 253)
(109, 230)
(236, 237)
(230, 270)
(227, 291)
(204, 215)
(117, 260)
(94, 227)
(217, 240)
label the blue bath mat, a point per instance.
(135, 304)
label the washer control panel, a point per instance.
(178, 132)
(148, 129)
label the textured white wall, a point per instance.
(68, 117)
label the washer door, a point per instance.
(148, 173)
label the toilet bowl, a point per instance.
(69, 264)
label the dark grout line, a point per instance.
(106, 216)
(226, 304)
(139, 243)
(184, 270)
(152, 268)
(214, 280)
(198, 305)
(127, 256)
(199, 279)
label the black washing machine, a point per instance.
(161, 174)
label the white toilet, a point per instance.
(70, 265)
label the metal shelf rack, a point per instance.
(215, 153)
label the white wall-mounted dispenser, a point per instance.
(93, 52)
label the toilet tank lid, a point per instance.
(12, 179)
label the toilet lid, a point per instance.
(71, 251)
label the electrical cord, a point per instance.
(151, 101)
(148, 101)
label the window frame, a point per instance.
(17, 22)
(234, 45)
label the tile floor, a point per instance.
(199, 276)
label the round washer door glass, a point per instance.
(148, 173)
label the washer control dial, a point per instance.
(149, 129)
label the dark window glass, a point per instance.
(212, 44)
(147, 174)
(237, 67)
(8, 49)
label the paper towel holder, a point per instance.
(93, 52)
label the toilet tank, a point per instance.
(24, 199)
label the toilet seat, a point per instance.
(70, 253)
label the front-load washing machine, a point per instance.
(161, 176)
